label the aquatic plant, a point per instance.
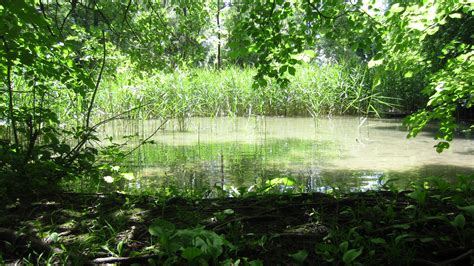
(315, 90)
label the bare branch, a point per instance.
(145, 140)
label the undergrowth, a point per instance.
(429, 222)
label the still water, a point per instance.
(319, 154)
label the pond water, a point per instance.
(318, 154)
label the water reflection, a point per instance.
(319, 155)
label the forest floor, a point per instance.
(369, 228)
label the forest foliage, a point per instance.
(67, 67)
(405, 56)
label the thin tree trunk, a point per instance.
(10, 92)
(218, 34)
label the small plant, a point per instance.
(300, 256)
(195, 245)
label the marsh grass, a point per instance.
(315, 90)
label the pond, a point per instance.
(308, 154)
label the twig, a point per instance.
(43, 11)
(423, 220)
(73, 6)
(118, 116)
(125, 12)
(452, 261)
(321, 14)
(127, 260)
(458, 258)
(16, 91)
(145, 140)
(163, 23)
(104, 17)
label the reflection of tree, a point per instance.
(199, 166)
(245, 166)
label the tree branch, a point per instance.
(87, 130)
(43, 11)
(124, 260)
(145, 140)
(118, 115)
(99, 78)
(73, 6)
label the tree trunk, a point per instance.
(218, 34)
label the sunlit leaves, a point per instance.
(455, 15)
(276, 37)
(128, 176)
(108, 179)
(408, 74)
(396, 8)
(373, 63)
(424, 34)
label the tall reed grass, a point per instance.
(315, 90)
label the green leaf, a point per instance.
(287, 181)
(350, 255)
(373, 63)
(291, 70)
(255, 263)
(408, 74)
(283, 69)
(417, 26)
(468, 209)
(309, 53)
(402, 226)
(455, 15)
(396, 8)
(120, 247)
(459, 221)
(401, 237)
(54, 237)
(432, 31)
(128, 176)
(378, 240)
(418, 195)
(441, 146)
(161, 227)
(426, 239)
(190, 253)
(228, 211)
(343, 246)
(300, 256)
